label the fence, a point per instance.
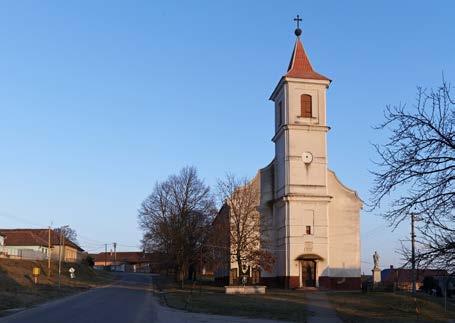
(23, 254)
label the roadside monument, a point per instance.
(376, 270)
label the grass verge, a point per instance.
(275, 304)
(389, 307)
(18, 290)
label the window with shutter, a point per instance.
(305, 106)
(280, 113)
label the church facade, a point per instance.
(314, 219)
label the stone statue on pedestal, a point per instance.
(376, 260)
(376, 270)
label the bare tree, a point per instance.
(68, 232)
(416, 172)
(175, 218)
(241, 224)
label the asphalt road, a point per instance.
(128, 300)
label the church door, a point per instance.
(308, 273)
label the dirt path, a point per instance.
(319, 308)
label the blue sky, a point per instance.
(98, 100)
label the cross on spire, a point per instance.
(298, 31)
(298, 20)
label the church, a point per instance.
(314, 218)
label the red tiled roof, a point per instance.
(300, 66)
(34, 237)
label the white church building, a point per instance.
(315, 219)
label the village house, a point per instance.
(38, 244)
(401, 278)
(136, 261)
(314, 218)
(2, 245)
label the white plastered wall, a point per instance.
(344, 228)
(302, 211)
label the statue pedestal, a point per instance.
(376, 275)
(239, 289)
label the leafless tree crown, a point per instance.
(68, 232)
(416, 171)
(244, 224)
(175, 217)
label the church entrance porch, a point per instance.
(308, 268)
(308, 273)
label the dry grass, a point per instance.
(276, 304)
(389, 307)
(18, 290)
(290, 305)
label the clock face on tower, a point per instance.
(307, 157)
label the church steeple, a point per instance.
(300, 127)
(300, 66)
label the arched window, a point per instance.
(280, 114)
(305, 106)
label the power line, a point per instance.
(91, 239)
(381, 226)
(85, 240)
(22, 220)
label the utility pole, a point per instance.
(105, 255)
(64, 254)
(115, 253)
(413, 259)
(60, 256)
(49, 252)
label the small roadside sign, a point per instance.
(36, 271)
(72, 271)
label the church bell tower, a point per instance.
(300, 127)
(300, 171)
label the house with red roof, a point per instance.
(38, 244)
(402, 277)
(135, 261)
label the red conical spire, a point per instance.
(300, 66)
